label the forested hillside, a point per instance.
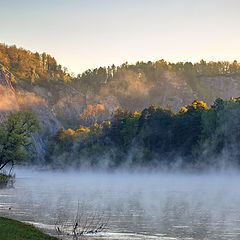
(132, 113)
(128, 85)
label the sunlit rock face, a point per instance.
(8, 101)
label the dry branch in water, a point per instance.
(80, 225)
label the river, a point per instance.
(133, 205)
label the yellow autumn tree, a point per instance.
(89, 115)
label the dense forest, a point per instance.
(195, 136)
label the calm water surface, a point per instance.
(139, 206)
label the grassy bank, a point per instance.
(14, 230)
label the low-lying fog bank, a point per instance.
(177, 205)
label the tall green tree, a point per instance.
(15, 134)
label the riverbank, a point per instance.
(15, 230)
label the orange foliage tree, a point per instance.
(90, 114)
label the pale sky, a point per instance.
(83, 34)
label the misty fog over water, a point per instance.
(140, 205)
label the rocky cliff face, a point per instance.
(173, 91)
(68, 104)
(224, 87)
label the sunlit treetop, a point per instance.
(197, 105)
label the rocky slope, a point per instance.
(224, 87)
(175, 91)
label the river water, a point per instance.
(134, 206)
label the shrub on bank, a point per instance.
(6, 180)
